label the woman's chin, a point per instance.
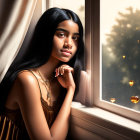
(65, 60)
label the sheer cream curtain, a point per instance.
(15, 17)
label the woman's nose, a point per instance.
(68, 43)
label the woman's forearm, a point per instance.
(60, 126)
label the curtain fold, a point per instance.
(15, 17)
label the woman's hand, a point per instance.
(64, 75)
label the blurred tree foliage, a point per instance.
(123, 40)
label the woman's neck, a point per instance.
(48, 68)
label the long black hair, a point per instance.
(40, 48)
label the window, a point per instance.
(120, 43)
(104, 89)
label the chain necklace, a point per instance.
(46, 83)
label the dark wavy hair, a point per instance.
(40, 47)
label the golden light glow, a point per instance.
(134, 99)
(131, 83)
(123, 56)
(112, 100)
(137, 28)
(138, 41)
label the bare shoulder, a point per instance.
(27, 85)
(26, 77)
(24, 87)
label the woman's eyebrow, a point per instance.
(64, 30)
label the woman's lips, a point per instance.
(66, 52)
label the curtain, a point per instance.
(15, 17)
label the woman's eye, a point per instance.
(75, 38)
(61, 35)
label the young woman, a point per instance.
(36, 93)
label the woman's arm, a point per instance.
(59, 128)
(28, 98)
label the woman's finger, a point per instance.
(56, 72)
(62, 69)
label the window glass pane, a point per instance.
(120, 49)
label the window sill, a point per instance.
(103, 124)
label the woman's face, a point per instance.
(65, 41)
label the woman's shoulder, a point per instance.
(27, 86)
(23, 87)
(26, 77)
(27, 82)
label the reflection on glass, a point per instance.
(120, 46)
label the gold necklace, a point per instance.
(47, 87)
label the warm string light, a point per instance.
(123, 56)
(134, 99)
(131, 83)
(112, 100)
